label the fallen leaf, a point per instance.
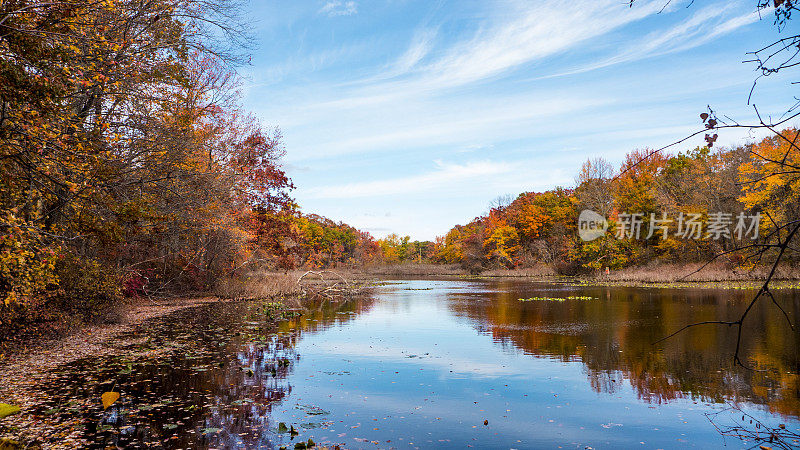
(109, 398)
(7, 410)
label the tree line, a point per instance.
(703, 204)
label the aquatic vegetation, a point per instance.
(556, 299)
(225, 374)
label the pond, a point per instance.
(448, 363)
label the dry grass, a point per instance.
(412, 268)
(266, 284)
(653, 273)
(538, 271)
(664, 273)
(657, 273)
(287, 286)
(259, 284)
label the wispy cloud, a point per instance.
(418, 124)
(444, 175)
(421, 45)
(703, 27)
(335, 8)
(369, 103)
(519, 34)
(530, 33)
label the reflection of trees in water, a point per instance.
(262, 371)
(247, 391)
(205, 377)
(321, 314)
(265, 366)
(613, 337)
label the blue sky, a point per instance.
(408, 116)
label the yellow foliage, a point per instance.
(769, 183)
(503, 243)
(25, 267)
(109, 398)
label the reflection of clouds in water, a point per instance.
(453, 410)
(418, 357)
(438, 288)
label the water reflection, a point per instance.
(437, 363)
(613, 335)
(206, 377)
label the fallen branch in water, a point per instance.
(338, 289)
(755, 431)
(321, 274)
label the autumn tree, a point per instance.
(125, 164)
(593, 186)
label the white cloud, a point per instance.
(533, 31)
(484, 75)
(526, 33)
(703, 27)
(444, 175)
(418, 124)
(335, 8)
(462, 366)
(421, 45)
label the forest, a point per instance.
(165, 282)
(705, 183)
(127, 165)
(129, 168)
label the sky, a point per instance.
(411, 116)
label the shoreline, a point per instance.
(668, 275)
(90, 337)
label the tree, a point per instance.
(125, 164)
(593, 185)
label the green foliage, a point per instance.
(319, 242)
(606, 251)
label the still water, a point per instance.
(450, 363)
